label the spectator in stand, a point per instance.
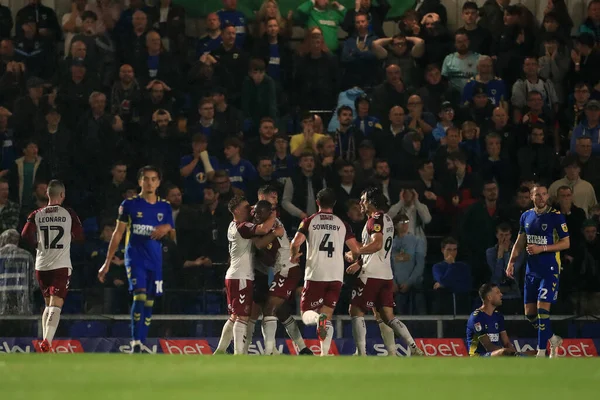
(264, 144)
(214, 220)
(77, 50)
(438, 41)
(212, 39)
(418, 118)
(533, 83)
(26, 109)
(55, 145)
(480, 38)
(479, 108)
(347, 137)
(361, 56)
(590, 164)
(9, 210)
(112, 192)
(460, 66)
(154, 98)
(560, 10)
(259, 96)
(478, 230)
(376, 15)
(500, 125)
(404, 162)
(308, 139)
(264, 168)
(591, 25)
(498, 257)
(346, 187)
(317, 76)
(392, 92)
(584, 195)
(156, 64)
(283, 162)
(408, 266)
(460, 188)
(300, 191)
(24, 172)
(471, 144)
(185, 218)
(574, 115)
(227, 116)
(390, 188)
(554, 66)
(229, 15)
(366, 123)
(240, 171)
(107, 12)
(126, 96)
(495, 167)
(12, 74)
(364, 167)
(452, 146)
(589, 126)
(437, 90)
(34, 50)
(404, 51)
(164, 146)
(127, 19)
(211, 128)
(170, 23)
(585, 271)
(536, 112)
(74, 94)
(446, 116)
(389, 140)
(71, 22)
(6, 22)
(8, 153)
(494, 86)
(197, 169)
(326, 160)
(44, 17)
(417, 212)
(425, 7)
(538, 160)
(270, 10)
(453, 281)
(132, 42)
(325, 15)
(521, 203)
(223, 185)
(40, 199)
(426, 187)
(574, 216)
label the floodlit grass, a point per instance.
(146, 377)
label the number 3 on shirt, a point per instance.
(159, 286)
(327, 246)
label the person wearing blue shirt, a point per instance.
(147, 219)
(486, 335)
(197, 169)
(283, 162)
(360, 55)
(494, 86)
(240, 171)
(453, 281)
(590, 127)
(543, 233)
(229, 15)
(212, 40)
(364, 122)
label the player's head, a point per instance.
(326, 199)
(268, 193)
(539, 195)
(56, 191)
(239, 208)
(149, 179)
(262, 211)
(372, 200)
(490, 294)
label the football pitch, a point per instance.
(146, 377)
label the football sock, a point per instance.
(45, 322)
(325, 344)
(148, 304)
(249, 334)
(310, 317)
(269, 330)
(137, 310)
(401, 331)
(533, 319)
(291, 327)
(226, 336)
(359, 331)
(52, 324)
(240, 330)
(544, 328)
(389, 339)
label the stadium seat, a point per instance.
(88, 329)
(120, 329)
(73, 303)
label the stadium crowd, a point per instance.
(454, 126)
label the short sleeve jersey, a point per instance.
(141, 217)
(277, 254)
(241, 250)
(378, 265)
(543, 229)
(481, 324)
(325, 237)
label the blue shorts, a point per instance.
(141, 279)
(539, 288)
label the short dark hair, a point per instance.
(375, 197)
(470, 5)
(489, 181)
(485, 289)
(380, 161)
(523, 189)
(448, 240)
(233, 142)
(263, 158)
(326, 198)
(263, 205)
(503, 227)
(235, 202)
(199, 138)
(256, 64)
(221, 173)
(344, 108)
(571, 160)
(264, 120)
(148, 168)
(89, 15)
(539, 185)
(538, 125)
(564, 187)
(170, 186)
(341, 164)
(513, 10)
(306, 154)
(422, 162)
(534, 92)
(267, 189)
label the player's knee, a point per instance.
(55, 301)
(356, 311)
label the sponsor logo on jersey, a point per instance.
(564, 227)
(477, 327)
(537, 239)
(184, 346)
(142, 230)
(377, 228)
(494, 337)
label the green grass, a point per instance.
(146, 377)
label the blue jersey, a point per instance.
(481, 324)
(142, 218)
(367, 125)
(238, 20)
(195, 182)
(206, 44)
(241, 173)
(495, 89)
(543, 229)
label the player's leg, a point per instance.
(312, 293)
(227, 332)
(259, 295)
(361, 297)
(291, 327)
(530, 294)
(255, 313)
(387, 334)
(503, 353)
(59, 285)
(269, 324)
(324, 325)
(548, 293)
(241, 309)
(137, 285)
(153, 288)
(54, 308)
(41, 278)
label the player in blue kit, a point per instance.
(544, 234)
(146, 219)
(486, 336)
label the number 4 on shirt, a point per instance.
(327, 246)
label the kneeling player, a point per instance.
(374, 286)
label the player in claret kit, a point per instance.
(373, 287)
(51, 230)
(325, 235)
(543, 233)
(147, 219)
(243, 236)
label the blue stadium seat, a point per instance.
(88, 329)
(73, 303)
(120, 329)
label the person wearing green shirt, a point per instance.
(326, 16)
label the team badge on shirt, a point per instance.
(377, 228)
(564, 227)
(139, 214)
(477, 327)
(544, 227)
(160, 216)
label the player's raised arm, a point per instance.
(115, 240)
(518, 247)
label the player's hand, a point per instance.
(437, 285)
(103, 271)
(160, 231)
(510, 270)
(353, 268)
(533, 249)
(118, 282)
(349, 256)
(403, 288)
(279, 231)
(430, 195)
(296, 259)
